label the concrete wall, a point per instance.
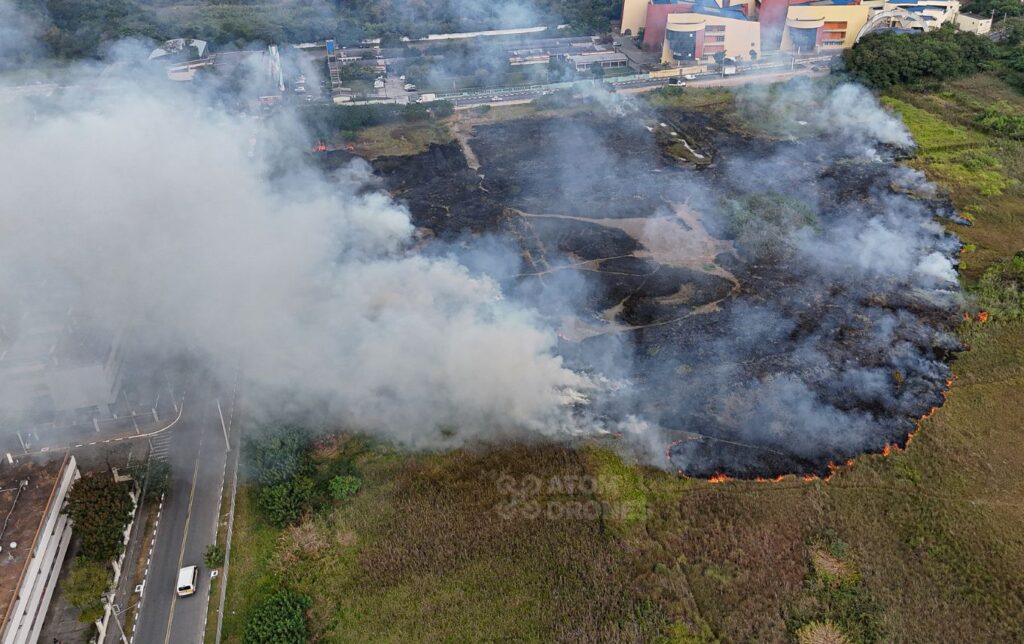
(40, 576)
(973, 24)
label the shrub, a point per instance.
(283, 504)
(343, 487)
(1000, 118)
(1000, 291)
(763, 224)
(281, 619)
(214, 556)
(276, 455)
(101, 509)
(155, 479)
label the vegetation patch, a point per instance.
(1000, 291)
(954, 155)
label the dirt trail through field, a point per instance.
(681, 240)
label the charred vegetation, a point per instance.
(774, 335)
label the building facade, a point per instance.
(694, 32)
(974, 24)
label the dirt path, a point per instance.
(462, 132)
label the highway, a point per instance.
(187, 525)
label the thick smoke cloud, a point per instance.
(149, 202)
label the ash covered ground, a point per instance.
(770, 300)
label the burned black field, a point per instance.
(767, 305)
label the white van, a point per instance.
(187, 578)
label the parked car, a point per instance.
(409, 87)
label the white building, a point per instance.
(34, 540)
(975, 24)
(605, 60)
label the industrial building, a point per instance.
(604, 60)
(695, 32)
(34, 538)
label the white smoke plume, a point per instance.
(149, 202)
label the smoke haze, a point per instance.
(146, 199)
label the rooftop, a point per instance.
(22, 509)
(600, 57)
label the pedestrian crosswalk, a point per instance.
(160, 446)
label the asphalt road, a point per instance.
(188, 524)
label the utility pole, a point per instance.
(223, 426)
(113, 613)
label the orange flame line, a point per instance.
(833, 468)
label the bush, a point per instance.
(281, 619)
(276, 455)
(763, 224)
(343, 487)
(283, 504)
(1000, 291)
(1001, 118)
(101, 509)
(154, 478)
(214, 556)
(84, 588)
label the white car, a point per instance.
(187, 580)
(409, 87)
(690, 77)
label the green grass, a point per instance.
(399, 139)
(250, 580)
(954, 155)
(985, 175)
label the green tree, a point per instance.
(84, 588)
(281, 619)
(343, 487)
(1000, 8)
(887, 59)
(100, 509)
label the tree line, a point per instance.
(72, 29)
(890, 59)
